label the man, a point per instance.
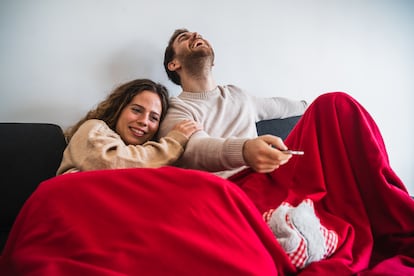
(229, 141)
(345, 171)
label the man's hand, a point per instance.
(263, 154)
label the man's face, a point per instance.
(190, 45)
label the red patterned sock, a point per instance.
(300, 233)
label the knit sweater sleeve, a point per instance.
(217, 147)
(277, 107)
(95, 146)
(228, 116)
(213, 154)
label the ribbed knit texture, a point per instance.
(95, 146)
(228, 116)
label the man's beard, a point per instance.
(198, 62)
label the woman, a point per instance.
(119, 132)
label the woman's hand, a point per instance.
(187, 127)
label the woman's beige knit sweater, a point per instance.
(95, 146)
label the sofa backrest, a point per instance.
(277, 127)
(30, 154)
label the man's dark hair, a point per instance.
(169, 55)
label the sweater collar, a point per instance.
(200, 95)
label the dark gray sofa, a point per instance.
(31, 153)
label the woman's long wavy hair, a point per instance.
(110, 109)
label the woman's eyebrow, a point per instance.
(155, 113)
(142, 107)
(136, 105)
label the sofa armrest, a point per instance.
(30, 154)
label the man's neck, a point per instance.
(198, 84)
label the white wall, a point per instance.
(59, 58)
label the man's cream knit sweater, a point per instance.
(228, 116)
(95, 146)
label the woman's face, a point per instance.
(140, 119)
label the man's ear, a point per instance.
(174, 65)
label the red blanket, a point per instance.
(171, 221)
(346, 171)
(164, 221)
